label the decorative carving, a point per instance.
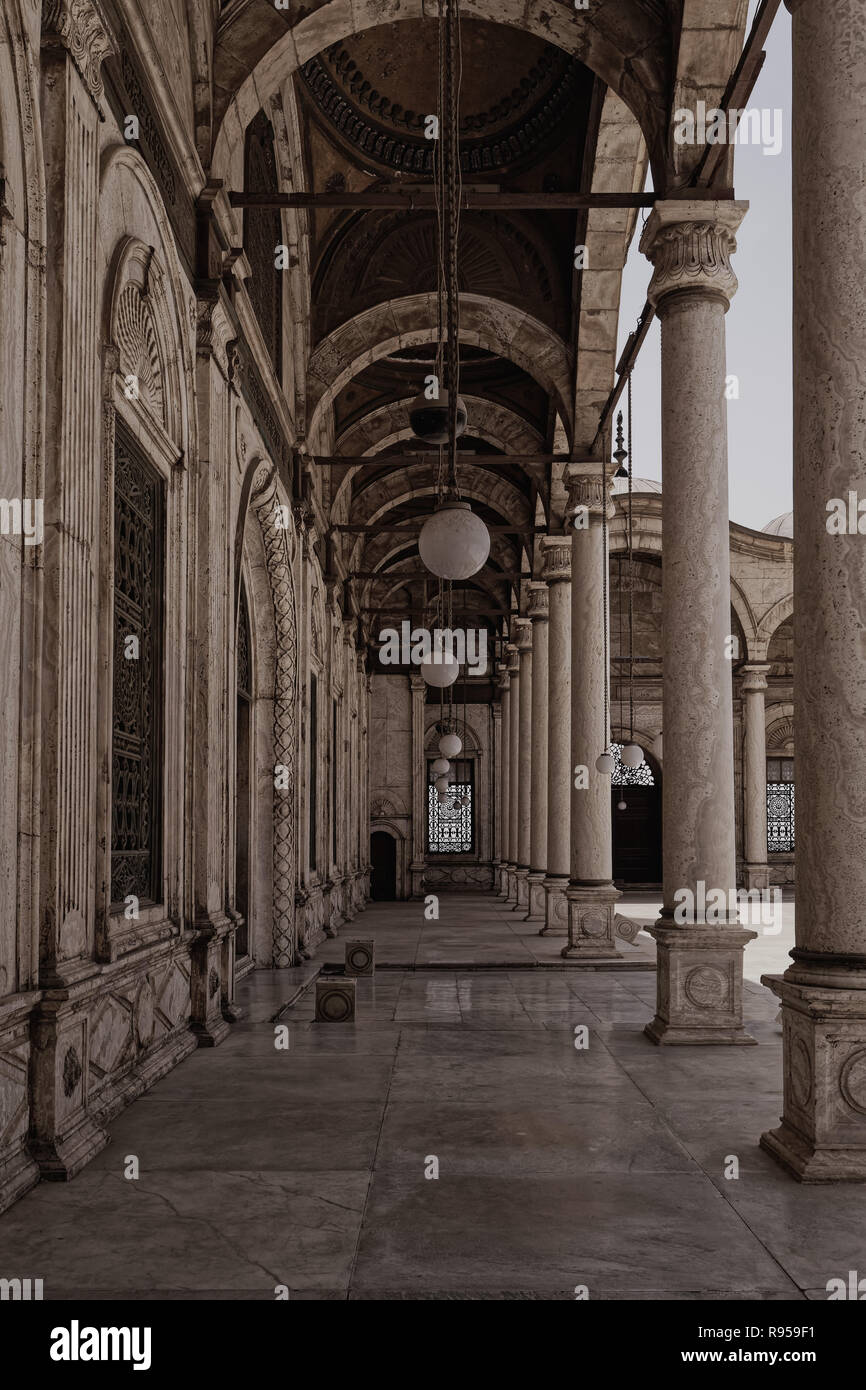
(557, 559)
(536, 108)
(522, 633)
(852, 1081)
(159, 159)
(537, 608)
(275, 538)
(244, 654)
(135, 333)
(213, 981)
(82, 28)
(800, 1073)
(690, 246)
(71, 1071)
(586, 490)
(706, 987)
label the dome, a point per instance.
(638, 485)
(781, 526)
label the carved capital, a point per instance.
(690, 244)
(537, 608)
(503, 679)
(522, 629)
(513, 659)
(556, 567)
(587, 491)
(81, 27)
(754, 678)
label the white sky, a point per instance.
(758, 321)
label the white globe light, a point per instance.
(450, 745)
(441, 672)
(621, 806)
(441, 765)
(632, 755)
(441, 785)
(605, 762)
(454, 543)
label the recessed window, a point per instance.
(780, 805)
(451, 823)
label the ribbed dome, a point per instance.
(781, 526)
(638, 485)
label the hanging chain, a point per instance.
(451, 219)
(630, 573)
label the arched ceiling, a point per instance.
(554, 99)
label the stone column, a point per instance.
(538, 609)
(523, 629)
(591, 895)
(755, 777)
(513, 769)
(496, 789)
(418, 686)
(504, 809)
(700, 959)
(65, 1133)
(823, 1132)
(557, 574)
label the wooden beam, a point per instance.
(408, 458)
(424, 200)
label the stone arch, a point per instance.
(471, 746)
(779, 723)
(637, 67)
(411, 321)
(489, 420)
(743, 610)
(270, 511)
(770, 624)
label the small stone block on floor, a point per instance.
(335, 1000)
(360, 957)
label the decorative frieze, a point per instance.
(537, 608)
(556, 566)
(81, 27)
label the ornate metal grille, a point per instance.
(451, 824)
(622, 776)
(780, 805)
(136, 748)
(263, 233)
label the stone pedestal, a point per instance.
(590, 896)
(822, 1137)
(754, 686)
(538, 612)
(690, 245)
(557, 575)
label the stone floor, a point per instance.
(558, 1167)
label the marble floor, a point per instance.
(601, 1167)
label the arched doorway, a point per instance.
(383, 867)
(636, 813)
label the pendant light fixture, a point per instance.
(454, 543)
(605, 762)
(450, 745)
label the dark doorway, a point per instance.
(383, 863)
(637, 829)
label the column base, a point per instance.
(555, 908)
(502, 881)
(699, 984)
(535, 911)
(511, 894)
(757, 876)
(522, 890)
(822, 1136)
(591, 914)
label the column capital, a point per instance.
(690, 244)
(755, 677)
(586, 490)
(503, 678)
(556, 565)
(537, 610)
(82, 28)
(417, 683)
(522, 635)
(513, 659)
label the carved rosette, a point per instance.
(537, 608)
(81, 27)
(690, 245)
(557, 559)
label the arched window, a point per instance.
(780, 805)
(451, 823)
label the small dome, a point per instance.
(781, 526)
(638, 485)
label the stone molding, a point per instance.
(556, 563)
(754, 679)
(538, 607)
(522, 635)
(586, 489)
(82, 28)
(690, 244)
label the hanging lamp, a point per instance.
(632, 753)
